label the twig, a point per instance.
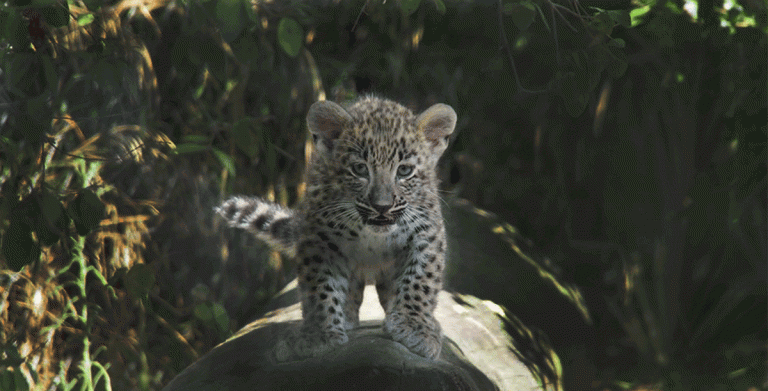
(508, 50)
(554, 8)
(354, 26)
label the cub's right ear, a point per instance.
(326, 120)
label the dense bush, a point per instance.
(627, 143)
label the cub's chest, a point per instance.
(372, 252)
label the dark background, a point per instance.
(624, 140)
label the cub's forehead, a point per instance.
(381, 118)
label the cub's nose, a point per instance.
(381, 207)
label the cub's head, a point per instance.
(379, 158)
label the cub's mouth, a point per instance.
(379, 221)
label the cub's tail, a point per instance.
(272, 223)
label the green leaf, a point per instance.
(87, 211)
(409, 6)
(290, 36)
(440, 6)
(18, 73)
(221, 317)
(617, 43)
(214, 316)
(139, 280)
(621, 17)
(229, 14)
(56, 15)
(637, 15)
(225, 160)
(194, 138)
(19, 248)
(523, 14)
(49, 216)
(189, 148)
(51, 77)
(86, 19)
(244, 138)
(203, 313)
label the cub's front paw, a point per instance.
(302, 343)
(419, 333)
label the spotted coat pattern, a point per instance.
(371, 215)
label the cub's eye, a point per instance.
(404, 170)
(360, 169)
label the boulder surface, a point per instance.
(477, 355)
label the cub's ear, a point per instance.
(437, 124)
(326, 120)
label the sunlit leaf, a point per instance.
(225, 160)
(290, 36)
(84, 20)
(637, 15)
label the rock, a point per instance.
(477, 355)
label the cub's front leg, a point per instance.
(412, 299)
(324, 287)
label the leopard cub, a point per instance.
(371, 214)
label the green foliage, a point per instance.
(290, 36)
(86, 211)
(628, 143)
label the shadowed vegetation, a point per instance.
(620, 143)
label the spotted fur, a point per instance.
(371, 215)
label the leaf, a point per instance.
(440, 6)
(51, 77)
(186, 148)
(225, 160)
(15, 30)
(221, 317)
(194, 138)
(409, 6)
(290, 36)
(523, 14)
(203, 313)
(637, 15)
(19, 248)
(139, 280)
(229, 14)
(617, 43)
(84, 20)
(244, 138)
(621, 17)
(87, 211)
(50, 217)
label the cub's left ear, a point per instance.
(437, 124)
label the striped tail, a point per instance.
(272, 223)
